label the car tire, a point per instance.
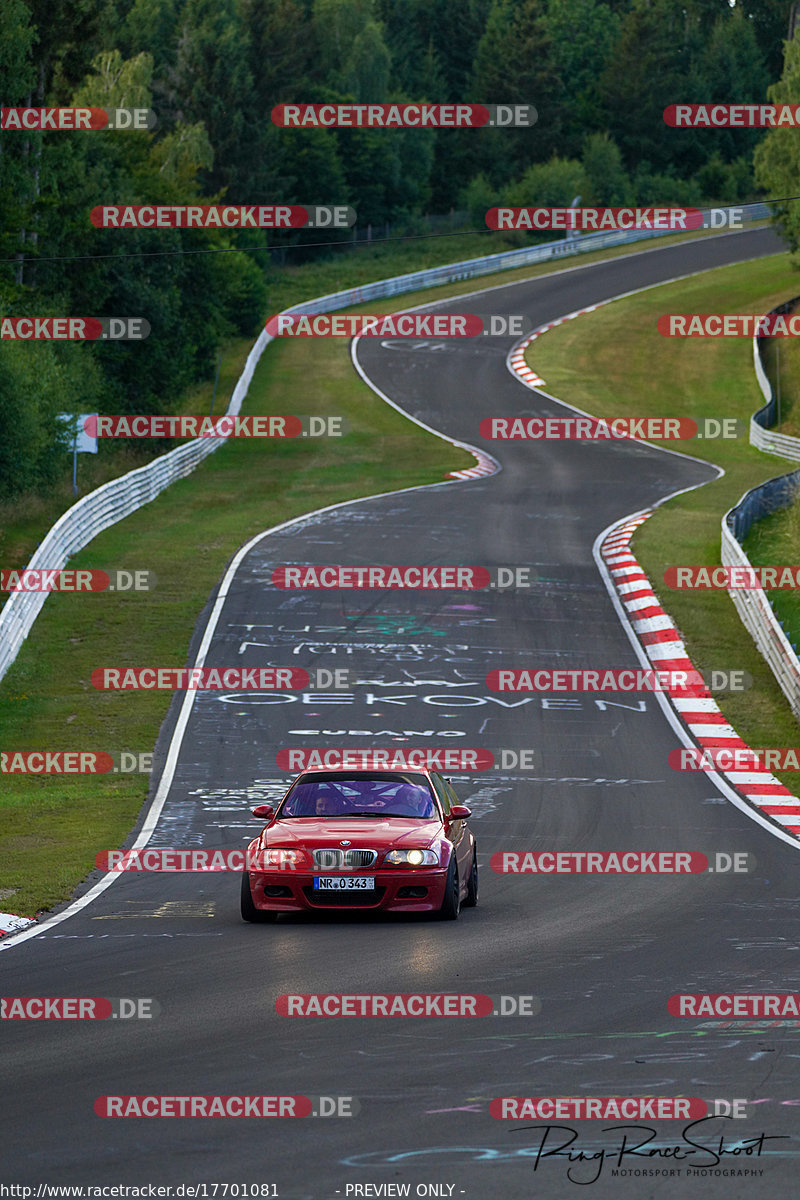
(472, 887)
(249, 911)
(451, 905)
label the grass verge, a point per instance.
(782, 364)
(613, 363)
(52, 826)
(774, 541)
(25, 520)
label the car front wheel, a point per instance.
(249, 910)
(451, 905)
(472, 887)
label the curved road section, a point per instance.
(602, 954)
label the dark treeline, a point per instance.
(599, 72)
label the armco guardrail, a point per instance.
(752, 604)
(101, 508)
(120, 497)
(761, 435)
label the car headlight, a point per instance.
(412, 858)
(277, 858)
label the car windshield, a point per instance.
(409, 796)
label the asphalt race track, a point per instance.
(602, 954)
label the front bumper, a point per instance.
(414, 889)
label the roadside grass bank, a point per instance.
(782, 364)
(51, 827)
(614, 363)
(25, 520)
(775, 541)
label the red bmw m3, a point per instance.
(393, 841)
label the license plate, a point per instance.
(344, 883)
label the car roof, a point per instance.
(361, 773)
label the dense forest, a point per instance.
(600, 73)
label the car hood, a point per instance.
(372, 832)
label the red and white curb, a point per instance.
(486, 466)
(11, 924)
(662, 644)
(516, 360)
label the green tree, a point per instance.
(416, 68)
(37, 381)
(771, 22)
(777, 157)
(214, 81)
(368, 65)
(151, 24)
(554, 183)
(514, 64)
(647, 70)
(730, 68)
(17, 79)
(477, 198)
(337, 25)
(582, 36)
(608, 181)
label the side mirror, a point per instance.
(263, 811)
(459, 812)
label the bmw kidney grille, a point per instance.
(354, 859)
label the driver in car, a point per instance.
(325, 805)
(409, 801)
